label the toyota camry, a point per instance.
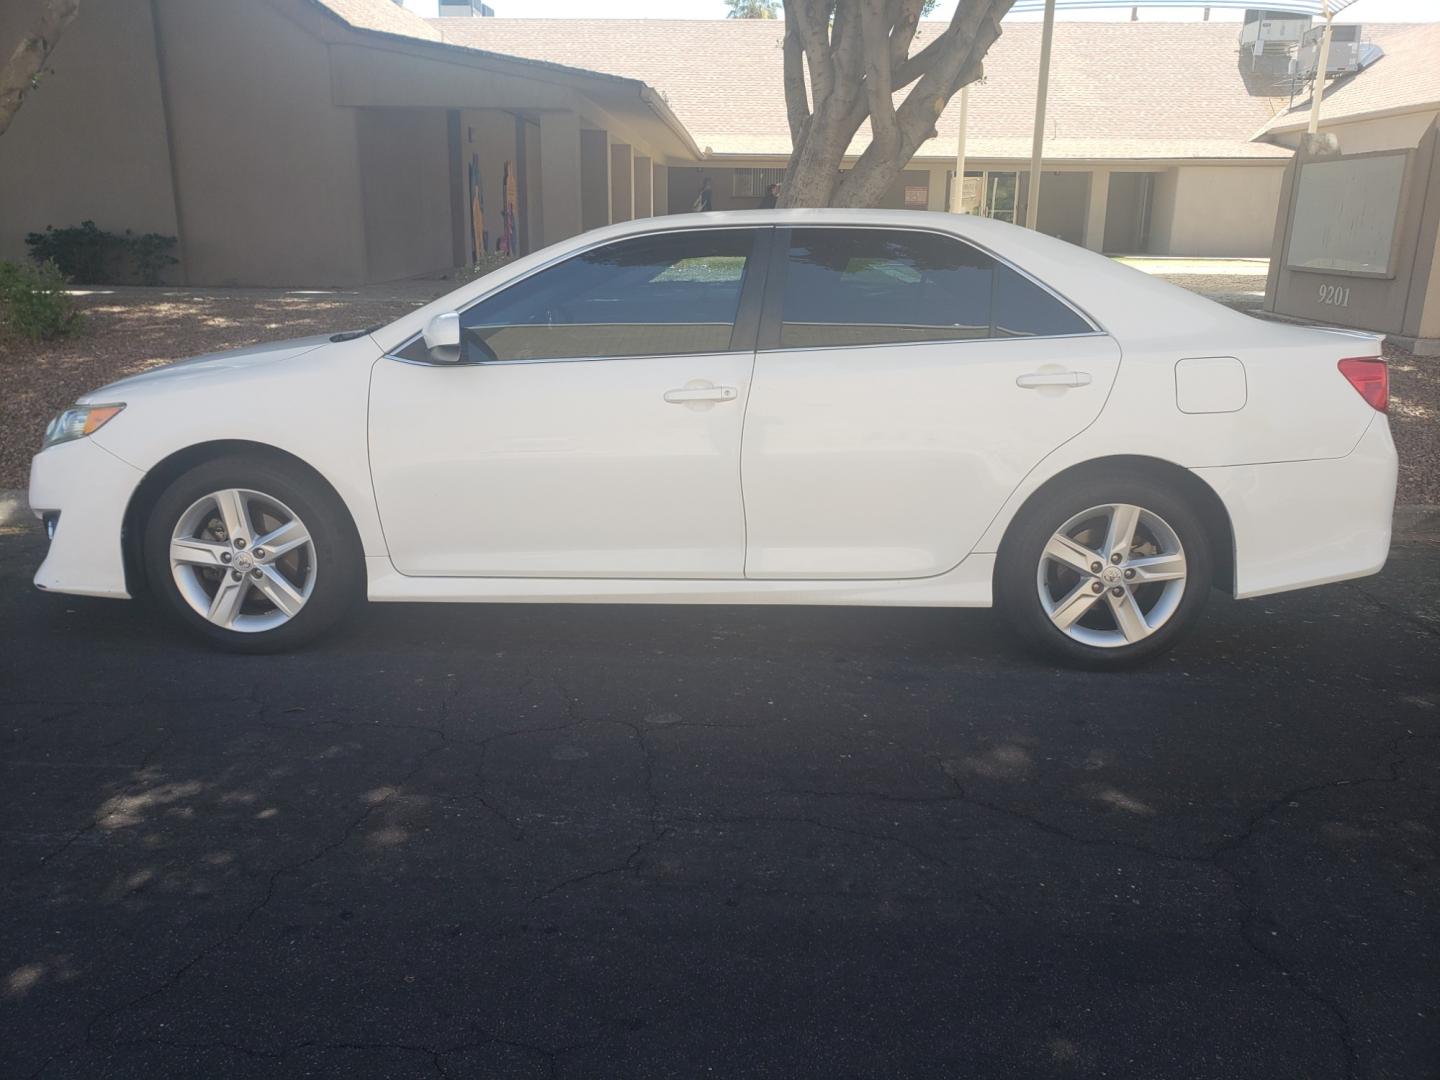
(757, 407)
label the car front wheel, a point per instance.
(251, 556)
(1106, 574)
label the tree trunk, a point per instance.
(25, 64)
(857, 56)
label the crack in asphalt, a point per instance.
(170, 981)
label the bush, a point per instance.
(91, 255)
(33, 302)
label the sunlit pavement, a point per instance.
(636, 842)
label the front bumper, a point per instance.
(89, 488)
(1302, 523)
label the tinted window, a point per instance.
(1020, 308)
(650, 296)
(870, 286)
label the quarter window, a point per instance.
(872, 286)
(670, 294)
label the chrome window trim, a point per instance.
(1097, 329)
(939, 341)
(561, 359)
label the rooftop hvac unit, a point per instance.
(1271, 31)
(461, 8)
(1348, 53)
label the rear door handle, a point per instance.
(686, 394)
(1037, 379)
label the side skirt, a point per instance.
(967, 585)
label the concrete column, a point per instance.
(594, 178)
(622, 181)
(660, 190)
(935, 199)
(559, 177)
(1095, 212)
(644, 187)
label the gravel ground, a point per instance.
(128, 330)
(131, 329)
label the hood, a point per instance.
(207, 366)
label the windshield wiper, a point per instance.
(351, 335)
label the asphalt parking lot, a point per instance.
(670, 842)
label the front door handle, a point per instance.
(686, 394)
(1036, 379)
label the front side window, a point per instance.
(873, 286)
(671, 294)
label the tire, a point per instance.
(1048, 593)
(285, 595)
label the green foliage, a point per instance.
(33, 301)
(91, 255)
(752, 9)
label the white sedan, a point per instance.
(759, 407)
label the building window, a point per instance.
(753, 183)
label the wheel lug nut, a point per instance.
(240, 543)
(257, 573)
(1094, 568)
(259, 553)
(235, 575)
(1097, 587)
(225, 556)
(1129, 574)
(1113, 558)
(1117, 591)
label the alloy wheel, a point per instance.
(1112, 575)
(243, 560)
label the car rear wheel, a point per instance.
(1105, 574)
(251, 556)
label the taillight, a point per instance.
(1371, 379)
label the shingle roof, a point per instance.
(1118, 90)
(1406, 77)
(382, 16)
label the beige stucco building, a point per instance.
(1357, 237)
(334, 142)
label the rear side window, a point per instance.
(672, 294)
(874, 286)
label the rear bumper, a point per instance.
(1302, 523)
(89, 488)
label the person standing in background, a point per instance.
(706, 199)
(771, 198)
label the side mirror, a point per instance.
(442, 338)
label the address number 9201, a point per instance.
(1335, 295)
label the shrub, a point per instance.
(34, 303)
(89, 254)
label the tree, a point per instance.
(845, 60)
(751, 9)
(21, 72)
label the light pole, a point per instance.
(1037, 144)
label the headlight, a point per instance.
(79, 421)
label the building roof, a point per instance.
(1118, 90)
(1405, 79)
(382, 17)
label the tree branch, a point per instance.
(26, 62)
(797, 104)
